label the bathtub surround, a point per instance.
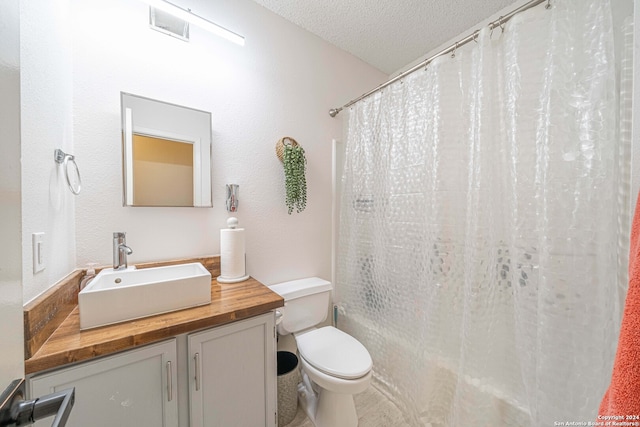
(478, 250)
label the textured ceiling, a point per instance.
(387, 34)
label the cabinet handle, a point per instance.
(169, 381)
(197, 361)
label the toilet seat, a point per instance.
(335, 353)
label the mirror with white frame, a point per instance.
(166, 151)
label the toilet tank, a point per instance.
(306, 303)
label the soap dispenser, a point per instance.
(88, 276)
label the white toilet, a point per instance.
(334, 365)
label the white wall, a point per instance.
(281, 83)
(12, 356)
(46, 85)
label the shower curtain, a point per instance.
(479, 225)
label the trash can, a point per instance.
(288, 379)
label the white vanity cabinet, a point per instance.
(133, 388)
(223, 376)
(232, 372)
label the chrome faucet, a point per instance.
(120, 251)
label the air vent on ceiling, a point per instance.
(168, 24)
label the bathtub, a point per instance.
(428, 387)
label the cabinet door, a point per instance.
(134, 388)
(232, 375)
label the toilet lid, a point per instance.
(334, 352)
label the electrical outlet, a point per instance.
(39, 262)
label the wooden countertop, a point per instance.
(229, 302)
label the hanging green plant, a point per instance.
(295, 181)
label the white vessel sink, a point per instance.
(116, 296)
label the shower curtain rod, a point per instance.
(498, 23)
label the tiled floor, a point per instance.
(374, 410)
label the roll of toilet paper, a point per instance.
(232, 255)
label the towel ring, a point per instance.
(71, 171)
